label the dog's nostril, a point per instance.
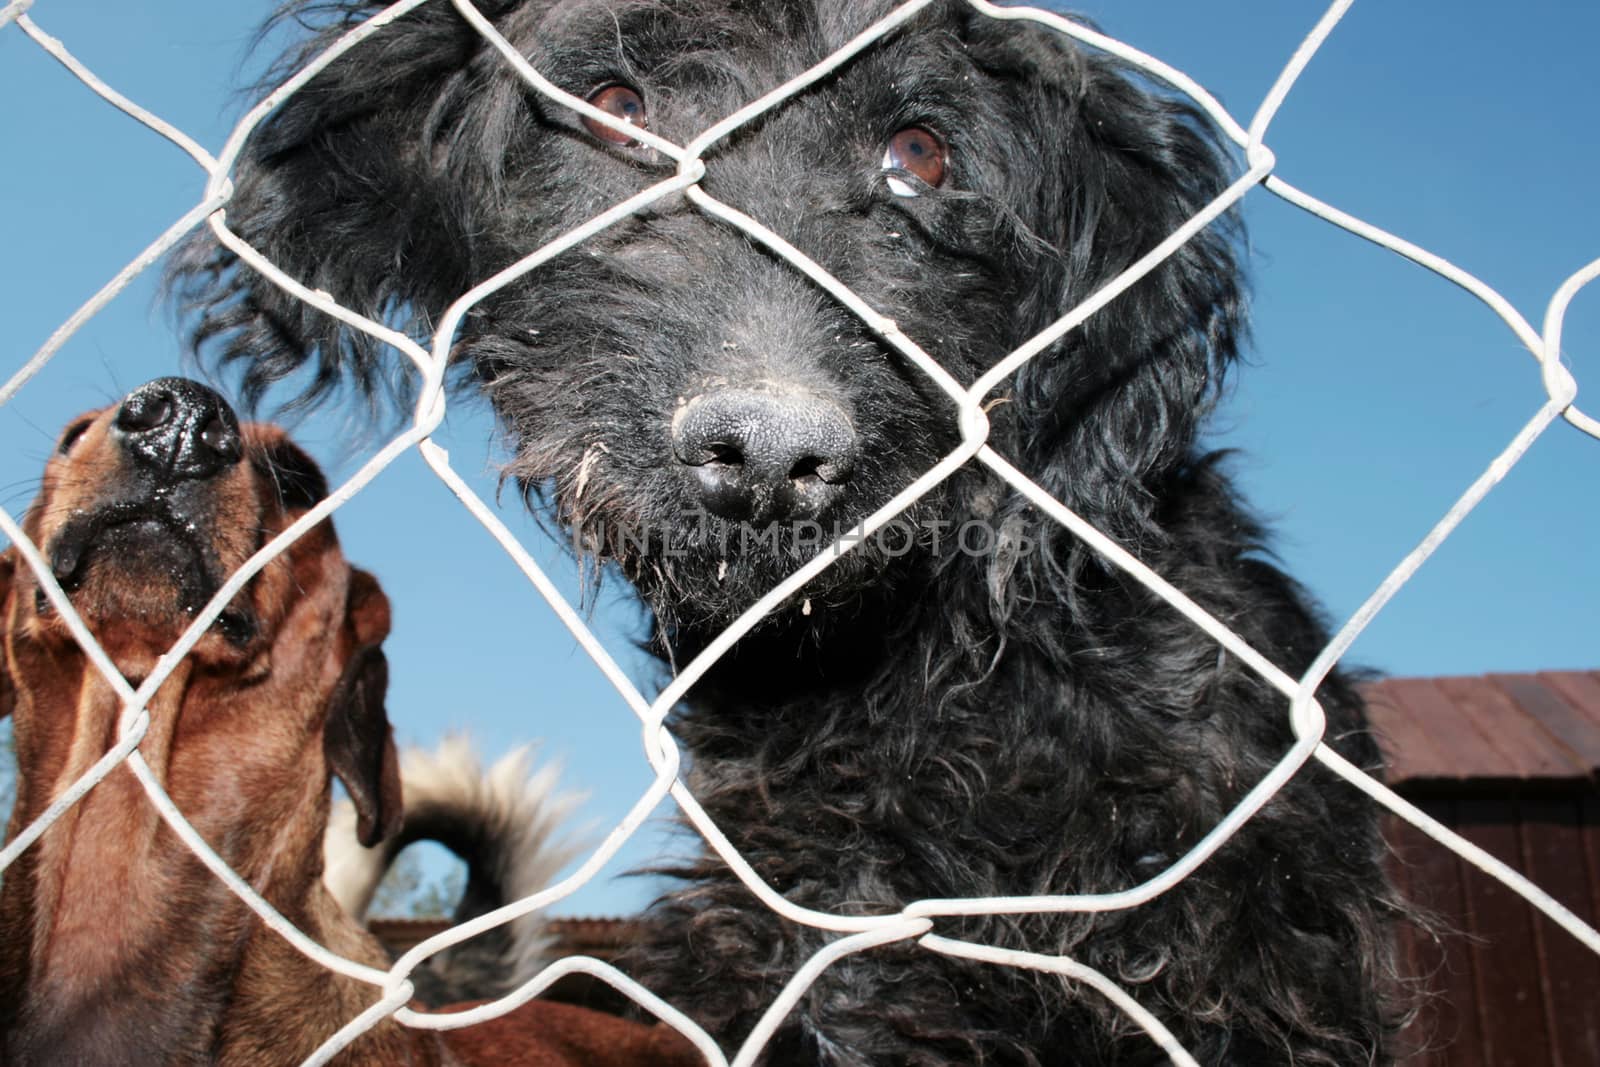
(221, 439)
(727, 455)
(809, 468)
(145, 411)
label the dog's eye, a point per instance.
(919, 152)
(75, 431)
(621, 101)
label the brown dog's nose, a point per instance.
(179, 428)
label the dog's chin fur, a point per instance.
(928, 723)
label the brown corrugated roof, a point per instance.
(1539, 728)
(601, 937)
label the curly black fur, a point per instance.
(931, 723)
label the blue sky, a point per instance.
(1375, 393)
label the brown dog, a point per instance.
(116, 945)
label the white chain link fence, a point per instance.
(1550, 399)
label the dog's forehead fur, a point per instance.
(742, 50)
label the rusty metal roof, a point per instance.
(1492, 729)
(601, 937)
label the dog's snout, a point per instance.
(759, 455)
(180, 428)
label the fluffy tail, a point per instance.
(508, 825)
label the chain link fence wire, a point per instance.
(1551, 397)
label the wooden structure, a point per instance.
(1511, 763)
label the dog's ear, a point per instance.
(359, 746)
(356, 185)
(357, 739)
(367, 611)
(1117, 405)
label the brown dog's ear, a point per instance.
(366, 609)
(359, 746)
(357, 740)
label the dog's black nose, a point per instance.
(180, 428)
(765, 456)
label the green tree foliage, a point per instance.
(411, 890)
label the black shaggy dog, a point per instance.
(934, 716)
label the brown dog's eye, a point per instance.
(75, 431)
(621, 101)
(919, 152)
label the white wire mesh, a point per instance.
(1556, 399)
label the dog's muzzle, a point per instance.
(172, 441)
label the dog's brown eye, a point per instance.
(621, 101)
(919, 152)
(75, 431)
